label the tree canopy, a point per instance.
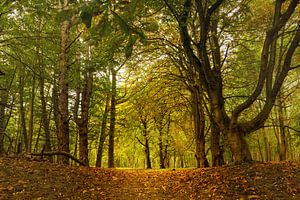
(150, 83)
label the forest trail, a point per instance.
(24, 179)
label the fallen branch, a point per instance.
(60, 153)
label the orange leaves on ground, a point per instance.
(22, 179)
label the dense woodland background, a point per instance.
(150, 83)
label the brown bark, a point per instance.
(60, 153)
(147, 153)
(162, 123)
(146, 146)
(31, 113)
(103, 134)
(84, 103)
(111, 134)
(45, 120)
(22, 109)
(266, 145)
(239, 146)
(3, 103)
(43, 99)
(36, 146)
(260, 149)
(83, 144)
(161, 151)
(282, 130)
(63, 111)
(82, 122)
(55, 107)
(3, 121)
(145, 143)
(216, 148)
(199, 127)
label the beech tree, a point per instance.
(2, 116)
(82, 101)
(63, 67)
(272, 71)
(150, 84)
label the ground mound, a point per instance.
(24, 179)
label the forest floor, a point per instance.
(24, 179)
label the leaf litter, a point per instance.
(21, 178)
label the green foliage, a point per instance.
(91, 9)
(86, 17)
(129, 47)
(104, 27)
(64, 15)
(151, 84)
(122, 23)
(151, 26)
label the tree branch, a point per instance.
(173, 11)
(214, 7)
(265, 62)
(140, 141)
(73, 41)
(61, 153)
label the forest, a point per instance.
(150, 83)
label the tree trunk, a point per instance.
(239, 146)
(36, 146)
(83, 144)
(266, 145)
(260, 149)
(3, 118)
(22, 108)
(147, 150)
(216, 149)
(162, 121)
(199, 127)
(83, 121)
(146, 142)
(55, 109)
(45, 120)
(290, 150)
(111, 133)
(161, 151)
(31, 113)
(282, 129)
(63, 114)
(3, 103)
(103, 132)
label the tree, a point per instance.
(162, 123)
(210, 74)
(3, 103)
(63, 111)
(82, 121)
(103, 133)
(113, 103)
(150, 84)
(22, 108)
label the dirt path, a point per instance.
(23, 179)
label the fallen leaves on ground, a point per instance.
(24, 179)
